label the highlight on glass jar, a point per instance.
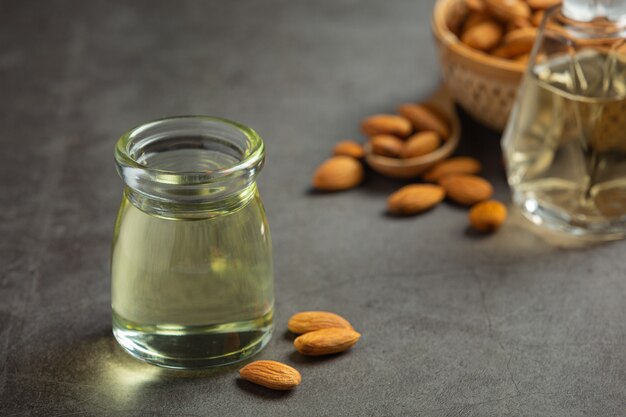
(565, 142)
(192, 276)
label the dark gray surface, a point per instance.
(453, 324)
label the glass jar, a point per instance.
(192, 277)
(565, 142)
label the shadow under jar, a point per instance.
(192, 277)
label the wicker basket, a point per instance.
(485, 86)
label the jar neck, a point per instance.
(189, 164)
(191, 211)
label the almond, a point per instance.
(475, 5)
(508, 9)
(542, 4)
(421, 143)
(271, 374)
(457, 165)
(517, 42)
(466, 189)
(518, 24)
(425, 119)
(326, 341)
(338, 173)
(473, 19)
(483, 36)
(349, 148)
(386, 145)
(386, 124)
(487, 216)
(308, 321)
(416, 198)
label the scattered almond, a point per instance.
(457, 165)
(271, 374)
(386, 145)
(487, 216)
(349, 148)
(386, 124)
(425, 119)
(338, 173)
(466, 189)
(419, 144)
(326, 341)
(308, 321)
(415, 198)
(483, 36)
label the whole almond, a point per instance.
(508, 9)
(415, 198)
(421, 143)
(326, 341)
(425, 119)
(457, 165)
(271, 374)
(483, 36)
(386, 145)
(542, 4)
(474, 18)
(349, 148)
(308, 321)
(518, 24)
(386, 124)
(475, 5)
(487, 216)
(517, 42)
(338, 173)
(466, 189)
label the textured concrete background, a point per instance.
(453, 324)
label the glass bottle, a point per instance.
(192, 278)
(565, 142)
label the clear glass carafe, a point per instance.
(565, 142)
(192, 279)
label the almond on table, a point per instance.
(308, 321)
(466, 189)
(487, 216)
(415, 198)
(326, 341)
(271, 374)
(349, 148)
(338, 173)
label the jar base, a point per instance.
(547, 217)
(193, 347)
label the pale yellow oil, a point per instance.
(192, 292)
(566, 144)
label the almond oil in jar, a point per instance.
(192, 278)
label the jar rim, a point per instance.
(250, 160)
